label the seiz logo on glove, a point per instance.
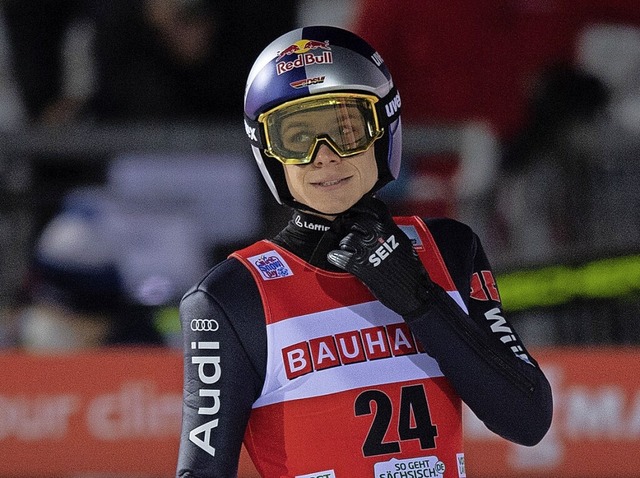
(382, 252)
(378, 253)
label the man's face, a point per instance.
(331, 184)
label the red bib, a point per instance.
(349, 392)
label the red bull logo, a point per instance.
(303, 50)
(303, 46)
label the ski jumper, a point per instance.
(349, 392)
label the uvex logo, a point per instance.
(393, 106)
(377, 59)
(382, 252)
(251, 131)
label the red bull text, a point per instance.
(305, 56)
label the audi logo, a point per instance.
(204, 325)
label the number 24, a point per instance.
(413, 403)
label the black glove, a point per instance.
(378, 253)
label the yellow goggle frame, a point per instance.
(272, 123)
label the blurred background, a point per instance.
(125, 174)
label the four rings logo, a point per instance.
(204, 325)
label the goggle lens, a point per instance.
(348, 123)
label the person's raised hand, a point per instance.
(378, 253)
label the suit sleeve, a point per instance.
(480, 352)
(224, 365)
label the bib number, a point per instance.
(414, 419)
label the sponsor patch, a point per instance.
(428, 466)
(319, 474)
(412, 234)
(347, 348)
(393, 107)
(204, 325)
(461, 470)
(271, 265)
(303, 52)
(307, 82)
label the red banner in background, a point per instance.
(117, 412)
(107, 411)
(596, 423)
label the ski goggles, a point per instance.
(347, 122)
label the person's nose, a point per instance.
(325, 155)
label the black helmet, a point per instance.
(321, 63)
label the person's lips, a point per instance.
(325, 183)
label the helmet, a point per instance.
(320, 61)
